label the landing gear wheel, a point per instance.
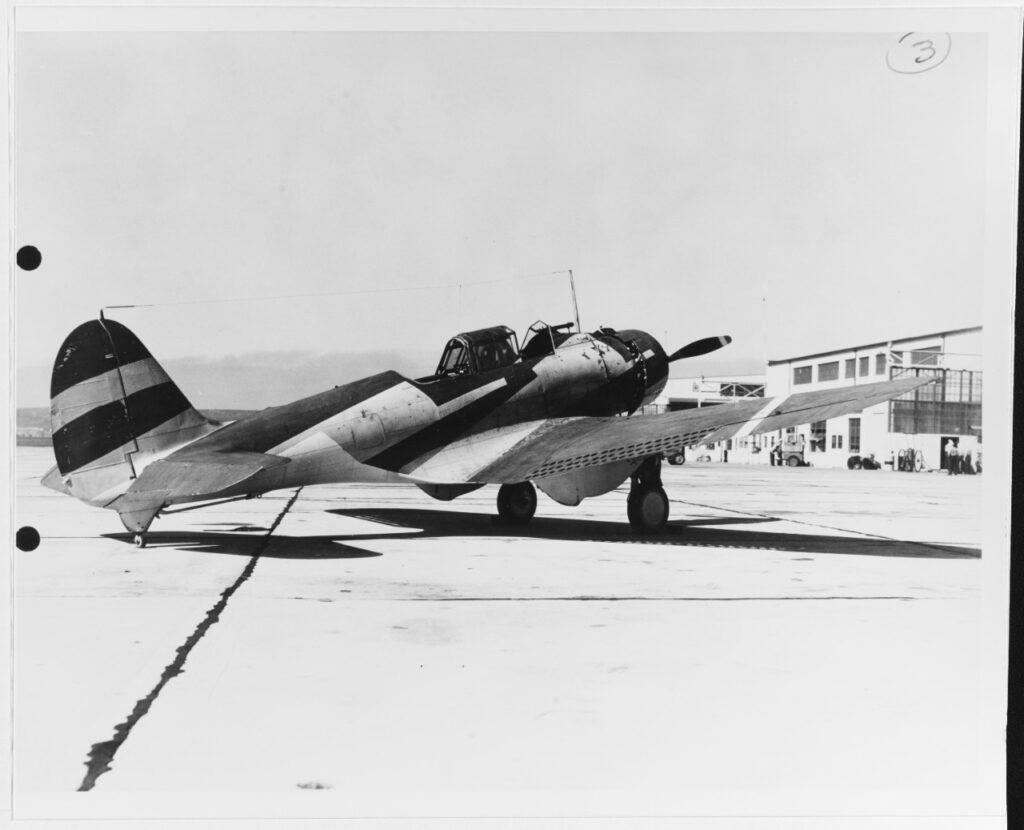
(647, 510)
(517, 502)
(140, 540)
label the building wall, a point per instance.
(955, 351)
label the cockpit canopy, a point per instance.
(479, 351)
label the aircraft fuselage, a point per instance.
(376, 428)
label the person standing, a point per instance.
(953, 458)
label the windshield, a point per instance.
(455, 360)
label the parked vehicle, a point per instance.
(863, 462)
(793, 451)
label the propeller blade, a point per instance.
(699, 347)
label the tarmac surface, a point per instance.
(798, 641)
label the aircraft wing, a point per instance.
(561, 445)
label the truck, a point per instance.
(792, 451)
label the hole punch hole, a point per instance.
(27, 538)
(29, 258)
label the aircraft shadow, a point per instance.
(250, 543)
(715, 533)
(735, 533)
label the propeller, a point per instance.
(699, 347)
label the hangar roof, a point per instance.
(878, 345)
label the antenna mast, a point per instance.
(575, 306)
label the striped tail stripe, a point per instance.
(111, 402)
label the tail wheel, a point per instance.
(647, 510)
(517, 502)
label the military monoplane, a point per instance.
(563, 413)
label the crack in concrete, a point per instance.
(101, 755)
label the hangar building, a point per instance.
(926, 420)
(691, 393)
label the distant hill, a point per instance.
(33, 423)
(37, 417)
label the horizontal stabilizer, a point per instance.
(191, 475)
(55, 481)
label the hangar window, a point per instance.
(864, 366)
(802, 374)
(828, 371)
(850, 370)
(854, 434)
(818, 436)
(949, 406)
(837, 442)
(926, 357)
(741, 390)
(879, 364)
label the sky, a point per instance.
(302, 209)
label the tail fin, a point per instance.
(112, 410)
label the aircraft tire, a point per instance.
(517, 502)
(647, 510)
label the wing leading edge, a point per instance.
(562, 445)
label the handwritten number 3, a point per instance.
(927, 44)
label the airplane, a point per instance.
(561, 413)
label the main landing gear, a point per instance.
(647, 504)
(646, 507)
(517, 502)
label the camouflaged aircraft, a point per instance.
(560, 412)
